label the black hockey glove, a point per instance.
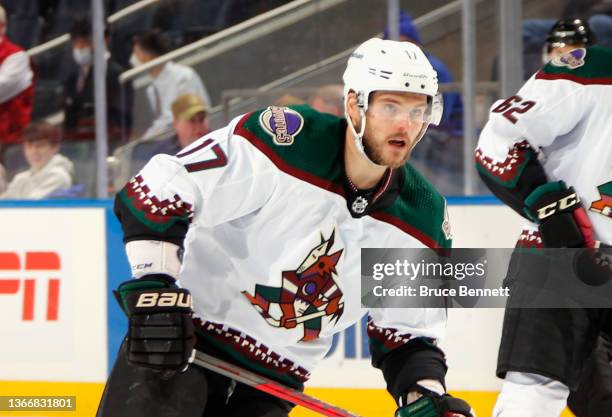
(160, 331)
(562, 220)
(432, 404)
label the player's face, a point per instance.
(38, 153)
(393, 124)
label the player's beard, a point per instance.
(375, 153)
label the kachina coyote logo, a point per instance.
(603, 205)
(306, 294)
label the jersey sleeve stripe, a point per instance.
(508, 171)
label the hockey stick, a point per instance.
(310, 316)
(267, 385)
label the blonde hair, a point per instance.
(288, 100)
(2, 21)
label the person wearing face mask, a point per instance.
(168, 80)
(2, 179)
(16, 87)
(79, 109)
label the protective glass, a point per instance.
(429, 111)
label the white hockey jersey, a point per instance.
(271, 252)
(563, 113)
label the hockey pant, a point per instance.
(133, 391)
(557, 343)
(593, 398)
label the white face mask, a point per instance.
(134, 61)
(82, 56)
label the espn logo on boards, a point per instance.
(11, 263)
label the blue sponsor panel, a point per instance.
(355, 341)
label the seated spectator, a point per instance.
(2, 179)
(49, 171)
(79, 109)
(190, 123)
(452, 117)
(16, 87)
(328, 99)
(169, 80)
(287, 100)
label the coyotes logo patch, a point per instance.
(572, 59)
(306, 295)
(282, 123)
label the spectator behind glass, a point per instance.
(328, 99)
(169, 80)
(190, 124)
(79, 109)
(16, 87)
(2, 179)
(452, 118)
(49, 171)
(287, 100)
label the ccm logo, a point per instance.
(563, 203)
(164, 299)
(34, 261)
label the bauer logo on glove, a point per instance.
(161, 332)
(165, 299)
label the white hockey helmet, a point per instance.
(386, 65)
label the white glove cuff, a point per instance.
(153, 257)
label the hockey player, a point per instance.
(262, 223)
(565, 35)
(546, 152)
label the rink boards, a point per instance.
(59, 335)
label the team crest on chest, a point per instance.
(359, 205)
(572, 59)
(306, 295)
(282, 123)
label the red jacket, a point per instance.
(15, 113)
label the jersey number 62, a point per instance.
(514, 104)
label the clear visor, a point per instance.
(426, 111)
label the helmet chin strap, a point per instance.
(358, 137)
